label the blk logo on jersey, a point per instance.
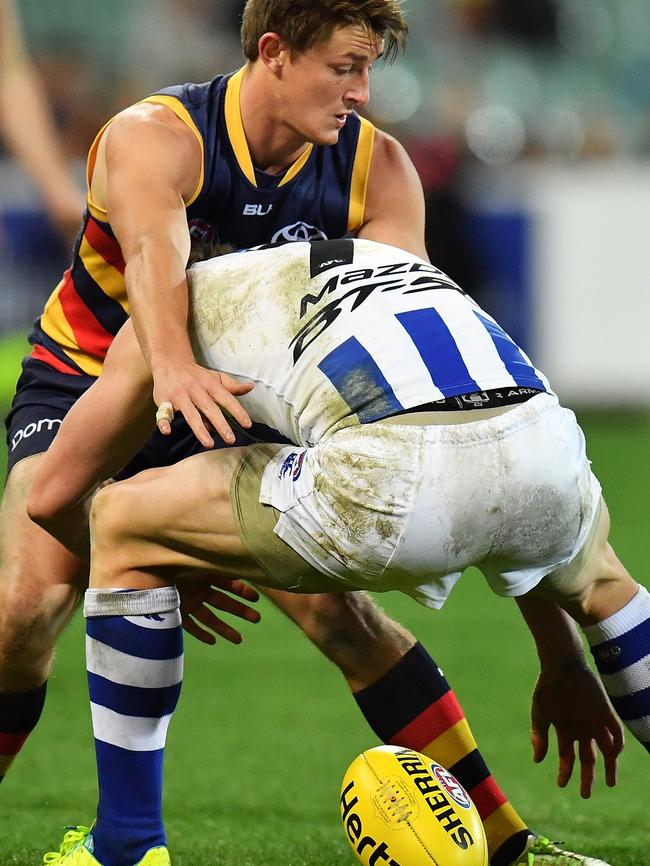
(298, 232)
(257, 209)
(292, 463)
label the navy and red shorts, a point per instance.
(43, 398)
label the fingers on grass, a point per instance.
(587, 753)
(566, 761)
(539, 742)
(609, 745)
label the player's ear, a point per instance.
(273, 52)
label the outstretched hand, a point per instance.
(574, 702)
(200, 599)
(200, 395)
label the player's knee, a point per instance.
(112, 519)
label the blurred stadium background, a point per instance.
(529, 122)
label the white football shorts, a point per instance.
(399, 507)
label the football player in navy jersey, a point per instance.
(275, 151)
(369, 362)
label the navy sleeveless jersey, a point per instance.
(322, 195)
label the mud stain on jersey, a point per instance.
(246, 296)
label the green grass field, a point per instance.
(265, 731)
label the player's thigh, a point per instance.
(36, 572)
(177, 517)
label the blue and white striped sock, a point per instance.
(134, 656)
(620, 646)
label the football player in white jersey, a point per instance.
(369, 362)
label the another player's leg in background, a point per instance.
(613, 611)
(406, 699)
(40, 585)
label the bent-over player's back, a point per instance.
(338, 333)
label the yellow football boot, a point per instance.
(77, 846)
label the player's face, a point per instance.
(326, 82)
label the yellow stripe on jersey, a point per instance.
(54, 322)
(183, 114)
(237, 136)
(298, 164)
(454, 744)
(108, 278)
(57, 327)
(360, 174)
(158, 99)
(235, 126)
(96, 211)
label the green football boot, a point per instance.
(540, 851)
(77, 847)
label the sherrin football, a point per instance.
(400, 808)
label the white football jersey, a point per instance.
(337, 333)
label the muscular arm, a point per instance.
(148, 166)
(100, 434)
(394, 200)
(27, 128)
(568, 696)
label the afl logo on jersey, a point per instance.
(292, 465)
(298, 232)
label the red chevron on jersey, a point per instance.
(103, 244)
(91, 337)
(40, 353)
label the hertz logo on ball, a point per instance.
(400, 808)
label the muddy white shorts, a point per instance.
(398, 507)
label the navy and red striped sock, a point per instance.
(19, 715)
(413, 706)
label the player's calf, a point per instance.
(350, 629)
(39, 588)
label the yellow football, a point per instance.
(400, 808)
